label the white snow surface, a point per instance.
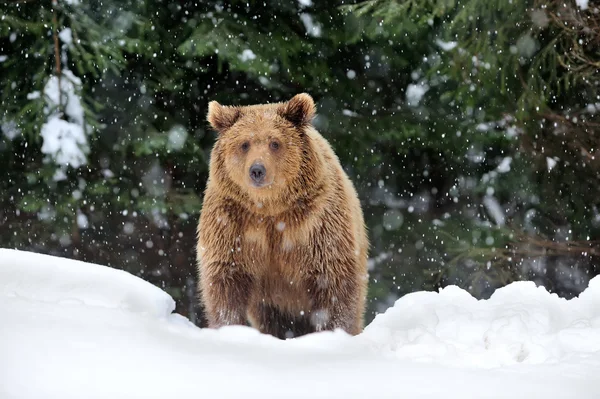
(72, 330)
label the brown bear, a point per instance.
(281, 239)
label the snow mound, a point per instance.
(47, 278)
(520, 323)
(72, 329)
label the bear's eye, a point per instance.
(274, 145)
(245, 146)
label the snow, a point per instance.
(506, 123)
(59, 281)
(64, 141)
(550, 163)
(350, 113)
(483, 127)
(415, 92)
(247, 55)
(66, 36)
(177, 137)
(82, 220)
(74, 329)
(494, 209)
(69, 85)
(264, 81)
(592, 108)
(540, 18)
(3, 58)
(10, 129)
(46, 213)
(446, 46)
(312, 29)
(583, 4)
(59, 174)
(527, 46)
(155, 180)
(504, 166)
(392, 219)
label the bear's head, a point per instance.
(264, 150)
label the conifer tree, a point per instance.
(469, 128)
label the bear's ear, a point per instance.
(222, 117)
(300, 110)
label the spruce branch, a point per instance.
(56, 50)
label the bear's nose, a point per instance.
(257, 172)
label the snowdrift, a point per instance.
(70, 329)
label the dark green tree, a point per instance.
(469, 128)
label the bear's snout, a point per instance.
(258, 173)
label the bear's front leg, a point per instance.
(336, 302)
(225, 293)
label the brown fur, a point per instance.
(290, 257)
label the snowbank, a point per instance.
(520, 323)
(73, 330)
(62, 281)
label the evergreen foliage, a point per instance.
(470, 128)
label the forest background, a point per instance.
(469, 127)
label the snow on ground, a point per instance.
(77, 330)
